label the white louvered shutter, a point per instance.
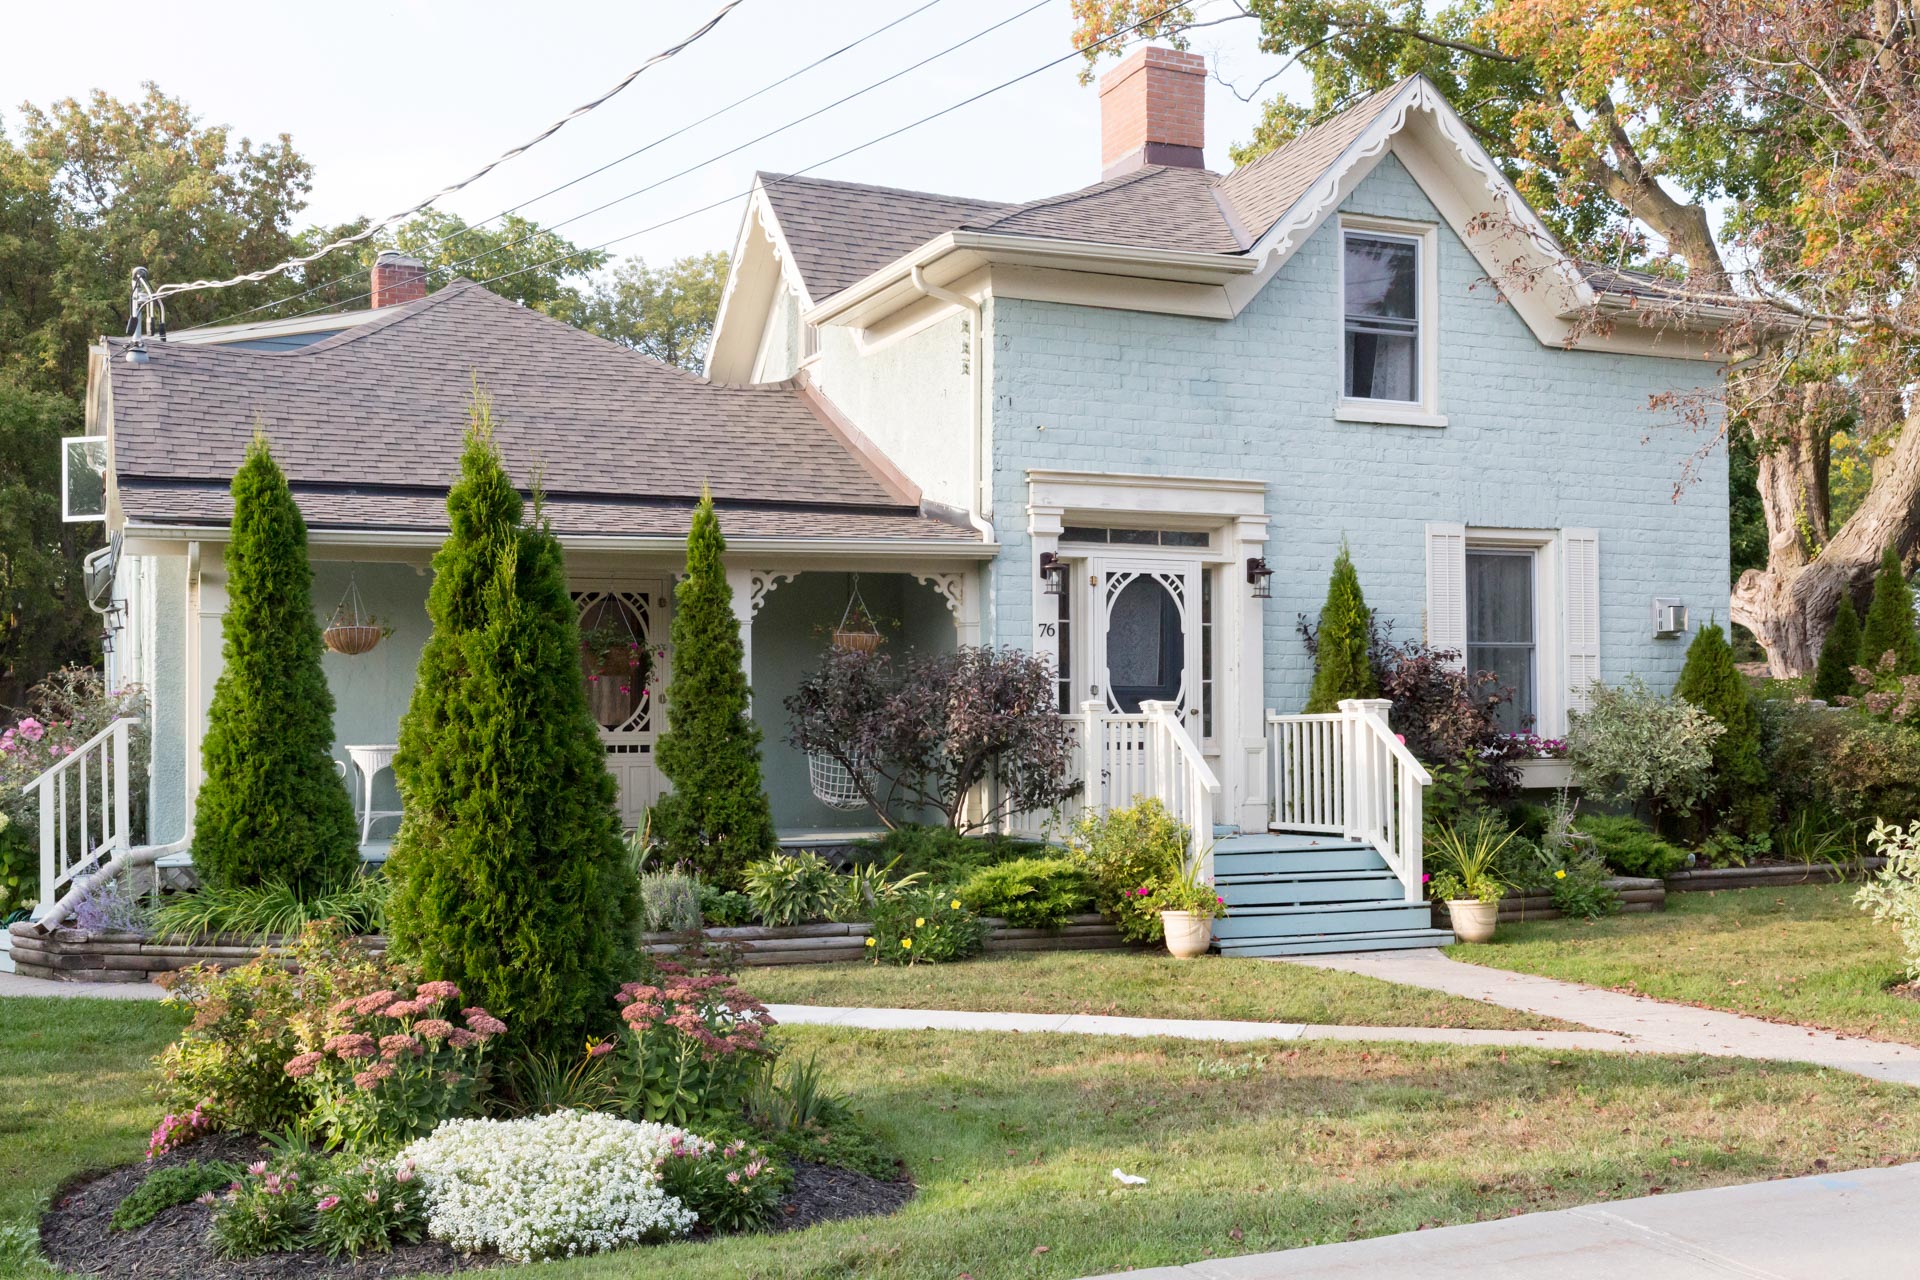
(1580, 555)
(1447, 587)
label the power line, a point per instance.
(715, 159)
(665, 137)
(871, 142)
(252, 276)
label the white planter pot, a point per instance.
(1188, 935)
(1544, 775)
(1473, 920)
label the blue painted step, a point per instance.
(1298, 889)
(1240, 866)
(1322, 918)
(1325, 944)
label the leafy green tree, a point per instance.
(1889, 625)
(1833, 677)
(517, 257)
(271, 807)
(1711, 682)
(716, 818)
(44, 621)
(1341, 665)
(667, 314)
(509, 874)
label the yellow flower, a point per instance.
(1560, 874)
(955, 904)
(872, 943)
(920, 923)
(906, 944)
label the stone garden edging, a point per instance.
(1636, 894)
(105, 956)
(1706, 879)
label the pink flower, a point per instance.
(352, 1045)
(301, 1066)
(461, 1038)
(393, 1046)
(433, 1030)
(373, 1002)
(372, 1196)
(440, 990)
(30, 729)
(258, 1168)
(600, 1050)
(404, 1174)
(368, 1080)
(328, 1203)
(733, 1177)
(482, 1023)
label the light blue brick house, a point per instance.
(1127, 427)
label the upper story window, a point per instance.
(1382, 307)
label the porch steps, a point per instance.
(1305, 893)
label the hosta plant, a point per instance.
(549, 1186)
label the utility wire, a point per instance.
(538, 231)
(169, 290)
(872, 142)
(665, 137)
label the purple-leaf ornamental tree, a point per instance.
(928, 732)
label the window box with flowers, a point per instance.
(1541, 762)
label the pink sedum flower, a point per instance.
(329, 1202)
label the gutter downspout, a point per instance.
(982, 492)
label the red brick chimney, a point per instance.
(397, 278)
(1152, 111)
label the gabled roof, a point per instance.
(369, 424)
(842, 231)
(1266, 187)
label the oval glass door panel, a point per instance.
(1146, 645)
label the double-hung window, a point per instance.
(1502, 632)
(1382, 316)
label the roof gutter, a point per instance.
(976, 415)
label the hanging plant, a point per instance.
(352, 630)
(616, 665)
(857, 632)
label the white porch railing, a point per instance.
(86, 835)
(1124, 758)
(1348, 773)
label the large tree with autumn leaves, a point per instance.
(1626, 123)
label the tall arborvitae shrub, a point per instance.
(1711, 682)
(271, 807)
(509, 874)
(1833, 674)
(716, 818)
(1341, 666)
(1889, 626)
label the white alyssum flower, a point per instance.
(550, 1186)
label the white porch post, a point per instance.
(1244, 660)
(206, 636)
(740, 583)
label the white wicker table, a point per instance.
(369, 761)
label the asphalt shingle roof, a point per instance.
(841, 232)
(370, 423)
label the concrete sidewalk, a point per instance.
(1842, 1226)
(13, 984)
(1654, 1026)
(1088, 1024)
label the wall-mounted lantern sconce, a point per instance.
(1669, 617)
(1260, 578)
(1053, 573)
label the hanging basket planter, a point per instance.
(352, 630)
(834, 785)
(857, 632)
(616, 665)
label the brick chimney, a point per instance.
(398, 278)
(1152, 111)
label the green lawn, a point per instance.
(1011, 1140)
(1804, 954)
(75, 1093)
(1133, 984)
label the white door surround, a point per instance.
(1231, 514)
(616, 613)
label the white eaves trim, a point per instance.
(762, 264)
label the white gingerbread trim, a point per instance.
(952, 588)
(760, 585)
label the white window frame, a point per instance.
(1538, 657)
(1423, 411)
(1549, 643)
(66, 488)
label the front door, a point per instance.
(1146, 638)
(623, 661)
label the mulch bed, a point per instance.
(74, 1235)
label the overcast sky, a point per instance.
(391, 101)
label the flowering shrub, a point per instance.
(390, 1065)
(368, 1206)
(263, 1212)
(732, 1188)
(691, 1049)
(1893, 895)
(549, 1186)
(925, 927)
(175, 1131)
(1884, 692)
(1125, 850)
(229, 1065)
(63, 711)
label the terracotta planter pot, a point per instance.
(351, 640)
(1473, 920)
(1188, 935)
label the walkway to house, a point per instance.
(1650, 1026)
(14, 984)
(1841, 1226)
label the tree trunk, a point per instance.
(1790, 604)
